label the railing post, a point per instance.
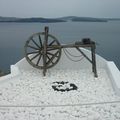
(45, 50)
(93, 59)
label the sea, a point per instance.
(14, 35)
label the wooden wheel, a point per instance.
(36, 49)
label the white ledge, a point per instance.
(14, 72)
(114, 75)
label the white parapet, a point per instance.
(14, 71)
(65, 63)
(114, 75)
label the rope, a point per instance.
(68, 105)
(71, 54)
(68, 56)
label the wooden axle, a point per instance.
(71, 46)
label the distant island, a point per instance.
(55, 20)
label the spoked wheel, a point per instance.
(36, 50)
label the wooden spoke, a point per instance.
(32, 52)
(50, 49)
(32, 47)
(38, 59)
(34, 57)
(51, 43)
(35, 43)
(52, 57)
(51, 54)
(40, 41)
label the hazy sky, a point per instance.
(58, 8)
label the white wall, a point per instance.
(65, 63)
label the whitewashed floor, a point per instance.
(30, 97)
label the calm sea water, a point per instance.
(14, 35)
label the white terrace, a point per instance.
(26, 95)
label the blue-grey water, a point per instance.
(14, 35)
